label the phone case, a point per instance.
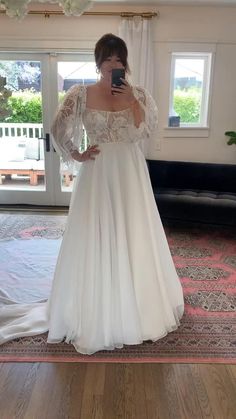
(117, 73)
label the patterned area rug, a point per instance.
(205, 258)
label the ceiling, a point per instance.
(171, 2)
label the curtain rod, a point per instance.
(48, 13)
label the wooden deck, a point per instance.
(33, 175)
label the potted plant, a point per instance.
(232, 137)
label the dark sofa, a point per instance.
(196, 192)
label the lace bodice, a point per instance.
(109, 127)
(101, 126)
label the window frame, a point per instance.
(207, 58)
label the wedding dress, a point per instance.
(115, 282)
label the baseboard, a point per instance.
(34, 208)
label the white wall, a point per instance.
(196, 25)
(199, 25)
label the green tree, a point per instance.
(16, 71)
(25, 107)
(4, 98)
(187, 104)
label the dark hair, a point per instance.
(109, 45)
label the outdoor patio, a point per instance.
(22, 164)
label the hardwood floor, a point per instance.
(117, 391)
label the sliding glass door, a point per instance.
(70, 70)
(31, 86)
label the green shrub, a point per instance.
(187, 105)
(61, 96)
(25, 107)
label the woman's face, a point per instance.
(108, 64)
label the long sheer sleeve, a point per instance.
(67, 127)
(147, 129)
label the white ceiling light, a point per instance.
(19, 8)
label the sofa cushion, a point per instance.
(195, 193)
(12, 149)
(17, 154)
(193, 176)
(32, 150)
(198, 192)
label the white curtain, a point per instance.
(137, 33)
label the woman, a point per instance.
(119, 284)
(115, 282)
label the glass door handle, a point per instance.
(47, 140)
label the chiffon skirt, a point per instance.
(115, 282)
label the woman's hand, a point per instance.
(88, 154)
(126, 91)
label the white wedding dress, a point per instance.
(115, 282)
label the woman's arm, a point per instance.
(147, 129)
(149, 108)
(127, 91)
(138, 112)
(63, 127)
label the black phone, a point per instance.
(116, 75)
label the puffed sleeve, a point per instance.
(147, 130)
(67, 127)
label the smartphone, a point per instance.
(116, 74)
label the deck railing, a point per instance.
(27, 130)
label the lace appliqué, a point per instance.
(101, 126)
(147, 131)
(67, 126)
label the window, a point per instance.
(189, 89)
